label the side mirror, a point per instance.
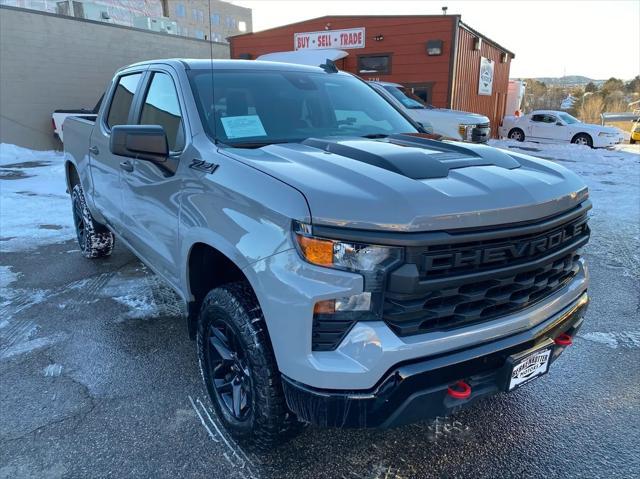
(144, 142)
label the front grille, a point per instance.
(476, 302)
(460, 283)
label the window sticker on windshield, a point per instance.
(242, 126)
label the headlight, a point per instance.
(466, 131)
(371, 261)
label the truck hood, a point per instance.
(409, 184)
(453, 116)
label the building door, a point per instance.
(421, 90)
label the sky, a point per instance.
(551, 38)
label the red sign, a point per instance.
(348, 38)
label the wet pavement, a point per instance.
(98, 378)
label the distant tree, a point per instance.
(590, 109)
(611, 85)
(615, 102)
(536, 95)
(633, 86)
(590, 87)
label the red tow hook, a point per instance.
(563, 340)
(462, 391)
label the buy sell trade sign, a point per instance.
(348, 38)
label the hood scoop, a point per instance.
(413, 157)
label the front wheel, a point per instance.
(94, 239)
(582, 139)
(239, 368)
(516, 134)
(632, 141)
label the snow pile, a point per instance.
(34, 207)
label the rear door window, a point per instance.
(122, 99)
(162, 107)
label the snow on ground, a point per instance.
(34, 206)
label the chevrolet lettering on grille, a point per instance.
(529, 248)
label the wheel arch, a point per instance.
(208, 267)
(514, 128)
(582, 133)
(71, 174)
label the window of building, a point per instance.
(122, 98)
(215, 19)
(199, 34)
(181, 11)
(230, 22)
(380, 64)
(242, 26)
(161, 107)
(197, 15)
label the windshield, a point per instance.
(568, 119)
(408, 99)
(255, 108)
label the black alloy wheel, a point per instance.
(230, 373)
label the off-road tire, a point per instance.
(269, 422)
(94, 239)
(588, 141)
(516, 134)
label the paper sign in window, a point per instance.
(243, 126)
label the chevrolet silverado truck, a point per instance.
(337, 267)
(451, 124)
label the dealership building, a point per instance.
(438, 57)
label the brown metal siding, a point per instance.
(404, 36)
(467, 71)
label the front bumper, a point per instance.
(417, 390)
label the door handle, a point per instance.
(94, 150)
(126, 166)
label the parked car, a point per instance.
(59, 116)
(550, 126)
(453, 124)
(337, 267)
(635, 132)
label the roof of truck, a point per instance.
(206, 64)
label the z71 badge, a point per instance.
(202, 165)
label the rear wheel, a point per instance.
(582, 139)
(516, 134)
(94, 239)
(239, 368)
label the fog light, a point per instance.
(357, 302)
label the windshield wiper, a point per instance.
(375, 135)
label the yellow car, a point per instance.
(635, 132)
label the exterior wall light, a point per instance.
(477, 43)
(434, 47)
(504, 58)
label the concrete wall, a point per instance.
(49, 62)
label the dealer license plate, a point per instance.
(529, 367)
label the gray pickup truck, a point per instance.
(338, 267)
